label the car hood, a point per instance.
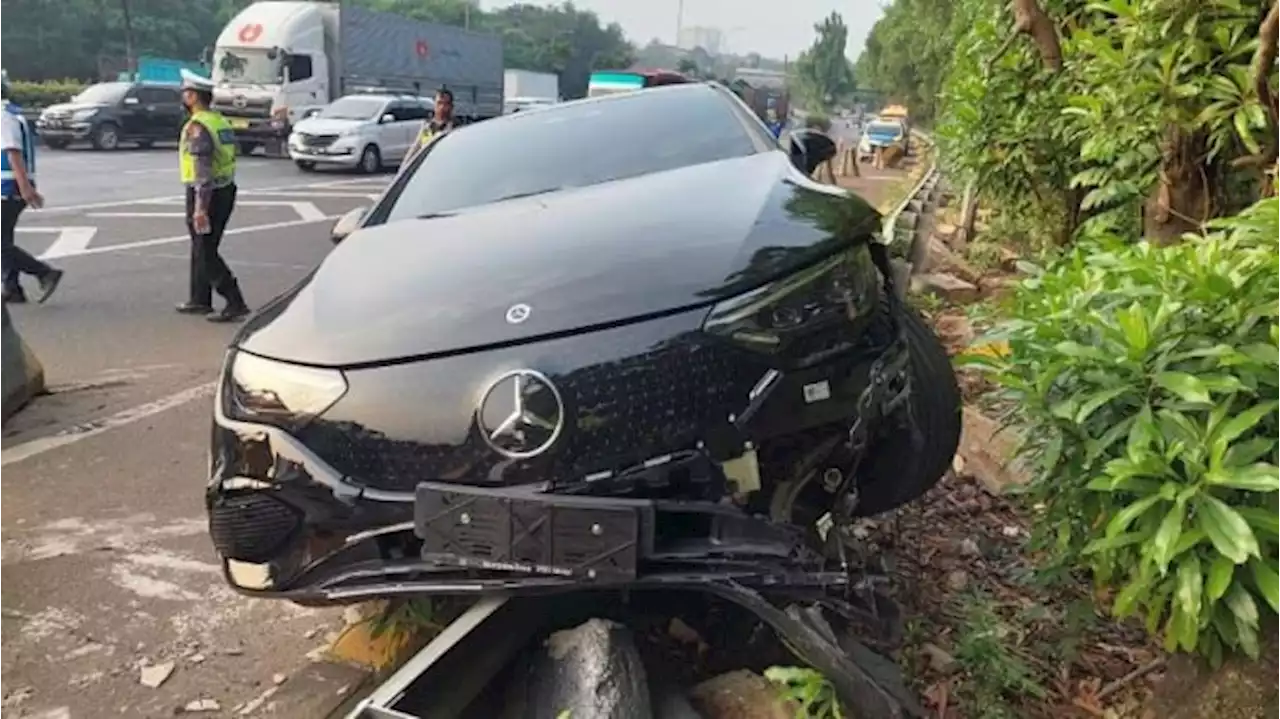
(67, 108)
(578, 259)
(326, 125)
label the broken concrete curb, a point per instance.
(23, 375)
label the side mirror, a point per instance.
(347, 224)
(809, 149)
(310, 112)
(131, 101)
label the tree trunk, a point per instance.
(968, 215)
(1183, 199)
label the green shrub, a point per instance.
(1146, 380)
(818, 121)
(43, 94)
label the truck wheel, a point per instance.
(246, 148)
(370, 160)
(105, 136)
(305, 165)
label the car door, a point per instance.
(131, 114)
(389, 139)
(165, 113)
(409, 119)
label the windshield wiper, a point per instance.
(436, 215)
(530, 193)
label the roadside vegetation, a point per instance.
(1114, 169)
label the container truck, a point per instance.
(278, 59)
(522, 89)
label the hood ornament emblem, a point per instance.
(518, 313)
(521, 415)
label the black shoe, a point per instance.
(230, 313)
(15, 296)
(191, 308)
(48, 283)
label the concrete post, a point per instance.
(22, 373)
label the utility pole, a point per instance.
(130, 58)
(679, 20)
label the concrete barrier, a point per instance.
(22, 373)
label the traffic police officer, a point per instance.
(17, 192)
(207, 160)
(441, 121)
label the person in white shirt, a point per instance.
(17, 192)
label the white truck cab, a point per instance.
(272, 63)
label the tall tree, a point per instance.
(822, 72)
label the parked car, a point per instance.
(365, 132)
(547, 359)
(881, 133)
(109, 113)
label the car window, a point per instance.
(354, 107)
(158, 96)
(411, 112)
(299, 67)
(572, 145)
(104, 93)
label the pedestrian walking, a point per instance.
(441, 122)
(17, 192)
(207, 162)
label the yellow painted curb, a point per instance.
(357, 645)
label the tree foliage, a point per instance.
(822, 73)
(906, 54)
(86, 39)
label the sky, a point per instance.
(773, 29)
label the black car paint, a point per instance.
(148, 120)
(383, 307)
(582, 258)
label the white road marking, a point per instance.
(309, 194)
(167, 215)
(187, 238)
(70, 240)
(26, 450)
(306, 211)
(47, 210)
(154, 171)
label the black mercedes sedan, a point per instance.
(623, 341)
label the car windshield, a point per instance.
(245, 66)
(571, 145)
(884, 128)
(105, 93)
(353, 108)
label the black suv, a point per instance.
(109, 113)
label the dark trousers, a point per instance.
(208, 270)
(16, 260)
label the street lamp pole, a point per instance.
(679, 20)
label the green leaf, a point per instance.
(1220, 574)
(1242, 606)
(1248, 451)
(1227, 530)
(1143, 433)
(1133, 322)
(1079, 351)
(1185, 386)
(1260, 477)
(1126, 516)
(1105, 544)
(1096, 400)
(1128, 599)
(1244, 421)
(1262, 520)
(1264, 575)
(1167, 536)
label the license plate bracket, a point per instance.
(586, 538)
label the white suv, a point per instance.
(367, 132)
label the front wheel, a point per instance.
(105, 137)
(246, 148)
(370, 160)
(305, 165)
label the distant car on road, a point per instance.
(618, 341)
(881, 133)
(109, 113)
(365, 132)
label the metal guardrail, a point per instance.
(905, 220)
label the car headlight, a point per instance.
(256, 389)
(783, 317)
(81, 115)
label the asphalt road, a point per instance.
(106, 562)
(106, 566)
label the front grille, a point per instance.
(620, 414)
(316, 140)
(251, 527)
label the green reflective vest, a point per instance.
(224, 148)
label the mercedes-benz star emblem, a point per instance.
(521, 414)
(239, 102)
(518, 313)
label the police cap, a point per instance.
(192, 81)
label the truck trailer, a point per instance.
(526, 88)
(278, 59)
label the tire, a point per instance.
(246, 148)
(57, 144)
(370, 160)
(898, 470)
(305, 165)
(146, 144)
(105, 136)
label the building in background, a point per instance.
(710, 39)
